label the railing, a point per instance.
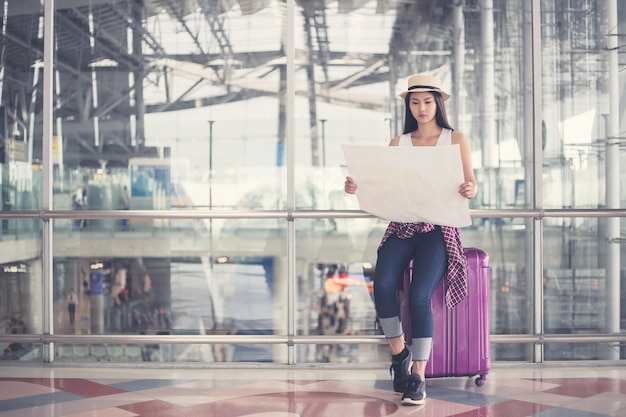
(287, 340)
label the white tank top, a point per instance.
(445, 138)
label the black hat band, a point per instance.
(428, 87)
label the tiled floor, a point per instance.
(38, 390)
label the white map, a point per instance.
(410, 184)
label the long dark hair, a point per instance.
(410, 123)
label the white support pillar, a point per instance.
(291, 296)
(537, 170)
(458, 64)
(47, 203)
(487, 84)
(612, 182)
(487, 104)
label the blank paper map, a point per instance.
(409, 184)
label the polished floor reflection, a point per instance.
(38, 390)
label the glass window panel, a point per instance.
(21, 108)
(575, 108)
(331, 108)
(166, 352)
(105, 353)
(578, 282)
(21, 295)
(176, 281)
(340, 272)
(21, 288)
(508, 243)
(178, 105)
(492, 104)
(23, 352)
(335, 268)
(343, 353)
(335, 288)
(348, 104)
(580, 351)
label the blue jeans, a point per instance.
(428, 251)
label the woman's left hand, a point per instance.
(468, 189)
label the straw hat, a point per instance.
(424, 82)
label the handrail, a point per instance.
(284, 214)
(283, 339)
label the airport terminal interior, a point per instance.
(175, 235)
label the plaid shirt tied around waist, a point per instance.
(456, 274)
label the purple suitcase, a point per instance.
(461, 334)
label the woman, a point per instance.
(436, 250)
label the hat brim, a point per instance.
(444, 95)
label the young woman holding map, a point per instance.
(436, 250)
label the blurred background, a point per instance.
(201, 140)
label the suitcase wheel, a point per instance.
(480, 380)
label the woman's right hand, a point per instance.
(349, 186)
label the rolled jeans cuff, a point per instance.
(392, 327)
(420, 348)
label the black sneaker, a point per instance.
(415, 393)
(400, 372)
